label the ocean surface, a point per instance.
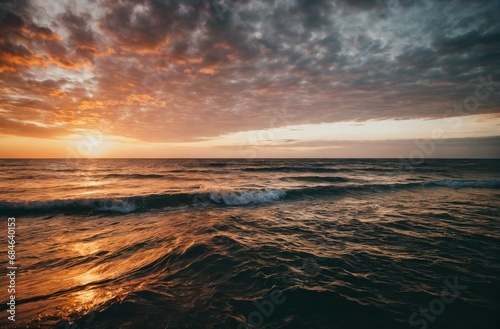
(288, 243)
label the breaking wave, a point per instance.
(205, 195)
(230, 197)
(225, 196)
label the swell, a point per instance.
(224, 196)
(199, 261)
(291, 169)
(317, 179)
(169, 176)
(320, 191)
(218, 196)
(118, 205)
(242, 278)
(493, 183)
(135, 176)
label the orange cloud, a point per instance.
(22, 56)
(107, 52)
(187, 60)
(13, 59)
(6, 68)
(40, 33)
(208, 70)
(131, 100)
(137, 98)
(58, 93)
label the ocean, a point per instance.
(260, 243)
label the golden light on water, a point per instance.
(85, 248)
(86, 297)
(87, 278)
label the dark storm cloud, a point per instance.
(9, 21)
(361, 4)
(468, 42)
(81, 35)
(139, 25)
(185, 70)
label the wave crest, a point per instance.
(228, 196)
(468, 183)
(104, 204)
(231, 197)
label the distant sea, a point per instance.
(261, 243)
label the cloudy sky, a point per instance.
(248, 78)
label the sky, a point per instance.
(243, 79)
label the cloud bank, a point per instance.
(177, 71)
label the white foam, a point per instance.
(231, 197)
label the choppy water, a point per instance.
(253, 243)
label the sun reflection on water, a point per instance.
(85, 248)
(85, 297)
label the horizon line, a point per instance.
(274, 158)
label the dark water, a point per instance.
(253, 243)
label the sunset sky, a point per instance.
(269, 78)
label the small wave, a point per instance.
(318, 179)
(217, 164)
(291, 169)
(494, 183)
(134, 176)
(218, 195)
(63, 170)
(104, 204)
(231, 197)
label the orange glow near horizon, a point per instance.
(325, 140)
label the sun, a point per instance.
(89, 144)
